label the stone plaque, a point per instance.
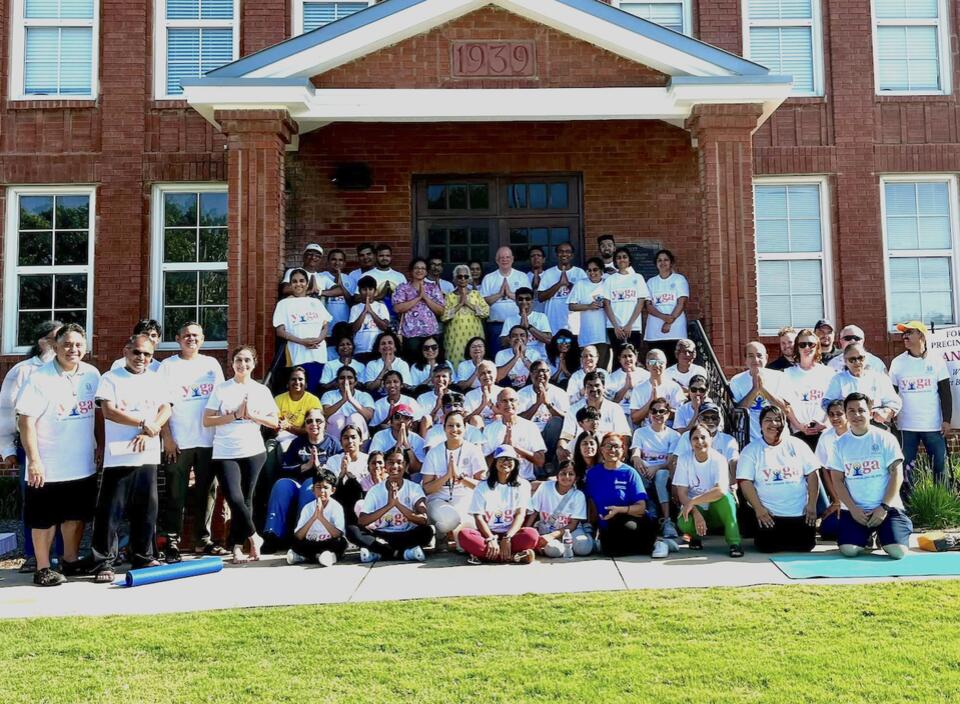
(494, 59)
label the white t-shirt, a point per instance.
(138, 395)
(575, 385)
(701, 477)
(774, 382)
(356, 469)
(465, 370)
(331, 368)
(828, 438)
(468, 460)
(375, 366)
(333, 396)
(312, 276)
(725, 444)
(392, 521)
(154, 365)
(473, 398)
(810, 388)
(612, 420)
(189, 384)
(519, 372)
(504, 308)
(384, 441)
(13, 383)
(916, 379)
(556, 397)
(337, 306)
(872, 362)
(875, 385)
(664, 294)
(303, 317)
(65, 408)
(546, 500)
(239, 438)
(436, 435)
(683, 378)
(623, 291)
(655, 448)
(500, 505)
(685, 414)
(616, 381)
(363, 338)
(333, 512)
(383, 276)
(865, 461)
(668, 389)
(381, 409)
(445, 286)
(593, 323)
(536, 320)
(556, 306)
(526, 436)
(779, 474)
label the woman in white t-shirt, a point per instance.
(621, 383)
(587, 300)
(810, 380)
(302, 321)
(830, 518)
(589, 361)
(626, 294)
(499, 507)
(778, 477)
(666, 321)
(387, 348)
(702, 480)
(474, 352)
(451, 471)
(653, 448)
(236, 410)
(560, 506)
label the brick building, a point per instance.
(817, 179)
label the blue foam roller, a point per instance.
(164, 573)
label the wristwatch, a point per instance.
(885, 507)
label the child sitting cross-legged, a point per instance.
(319, 532)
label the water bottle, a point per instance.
(567, 544)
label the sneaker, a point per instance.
(48, 578)
(660, 550)
(524, 557)
(327, 559)
(669, 530)
(294, 558)
(368, 555)
(414, 555)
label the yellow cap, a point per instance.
(913, 325)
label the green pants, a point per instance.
(722, 513)
(205, 490)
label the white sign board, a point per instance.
(946, 342)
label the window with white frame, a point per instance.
(919, 224)
(192, 38)
(310, 14)
(784, 36)
(911, 46)
(48, 272)
(54, 49)
(792, 234)
(189, 259)
(672, 14)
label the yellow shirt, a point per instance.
(296, 411)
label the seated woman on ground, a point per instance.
(450, 473)
(688, 411)
(344, 358)
(393, 397)
(702, 481)
(778, 477)
(586, 453)
(393, 521)
(563, 353)
(653, 447)
(499, 507)
(830, 518)
(560, 506)
(319, 532)
(387, 349)
(475, 352)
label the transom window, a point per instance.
(49, 256)
(192, 38)
(911, 46)
(784, 36)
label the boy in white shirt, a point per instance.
(368, 318)
(319, 532)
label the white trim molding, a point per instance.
(686, 11)
(944, 55)
(815, 23)
(297, 13)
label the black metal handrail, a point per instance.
(736, 421)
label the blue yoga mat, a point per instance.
(915, 564)
(164, 573)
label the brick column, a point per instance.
(256, 140)
(723, 136)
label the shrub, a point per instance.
(932, 504)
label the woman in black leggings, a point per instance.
(236, 410)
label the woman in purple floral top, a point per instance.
(419, 303)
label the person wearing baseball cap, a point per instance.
(923, 382)
(312, 258)
(499, 507)
(401, 435)
(723, 443)
(825, 330)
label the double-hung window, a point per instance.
(793, 253)
(310, 14)
(48, 261)
(189, 259)
(920, 235)
(54, 49)
(911, 47)
(192, 37)
(784, 36)
(672, 14)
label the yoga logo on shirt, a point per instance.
(918, 384)
(860, 470)
(653, 456)
(501, 517)
(393, 519)
(307, 316)
(811, 396)
(664, 299)
(623, 294)
(556, 520)
(196, 392)
(776, 475)
(80, 410)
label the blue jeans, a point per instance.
(933, 443)
(287, 494)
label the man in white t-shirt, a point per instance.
(851, 334)
(150, 328)
(657, 386)
(387, 278)
(612, 418)
(188, 378)
(366, 260)
(685, 368)
(545, 405)
(499, 288)
(56, 419)
(312, 257)
(758, 387)
(135, 408)
(536, 324)
(868, 470)
(513, 363)
(556, 284)
(435, 275)
(336, 287)
(518, 432)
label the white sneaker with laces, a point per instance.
(327, 558)
(367, 555)
(660, 550)
(414, 555)
(294, 558)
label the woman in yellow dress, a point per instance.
(463, 313)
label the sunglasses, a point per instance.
(805, 345)
(836, 414)
(855, 360)
(430, 347)
(462, 276)
(698, 389)
(593, 269)
(564, 340)
(313, 421)
(659, 411)
(851, 338)
(654, 363)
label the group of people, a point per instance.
(554, 412)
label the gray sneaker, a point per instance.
(368, 556)
(660, 550)
(294, 558)
(327, 558)
(414, 555)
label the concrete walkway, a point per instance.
(271, 582)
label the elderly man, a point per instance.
(659, 385)
(758, 387)
(685, 369)
(786, 337)
(857, 378)
(498, 289)
(513, 364)
(401, 434)
(545, 405)
(536, 324)
(480, 403)
(612, 418)
(518, 432)
(312, 257)
(851, 333)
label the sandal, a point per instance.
(104, 575)
(695, 544)
(736, 550)
(214, 550)
(171, 553)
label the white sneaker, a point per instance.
(294, 558)
(660, 550)
(327, 558)
(669, 529)
(368, 555)
(414, 555)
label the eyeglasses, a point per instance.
(141, 353)
(430, 347)
(462, 276)
(698, 389)
(804, 345)
(313, 421)
(564, 340)
(659, 411)
(836, 414)
(654, 363)
(851, 338)
(855, 360)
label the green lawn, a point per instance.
(867, 643)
